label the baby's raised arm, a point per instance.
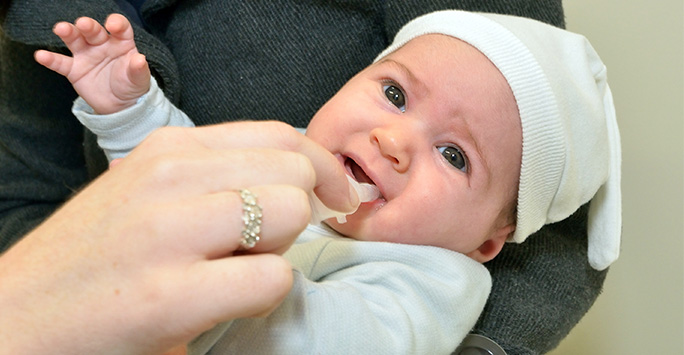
(106, 69)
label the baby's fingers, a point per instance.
(54, 61)
(93, 33)
(139, 72)
(70, 35)
(119, 27)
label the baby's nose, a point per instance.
(395, 143)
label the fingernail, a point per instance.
(354, 198)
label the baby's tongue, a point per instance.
(358, 173)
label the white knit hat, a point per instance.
(571, 144)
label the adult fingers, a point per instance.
(212, 292)
(243, 286)
(332, 186)
(199, 171)
(210, 226)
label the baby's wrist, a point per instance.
(113, 108)
(118, 105)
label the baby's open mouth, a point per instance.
(357, 172)
(366, 187)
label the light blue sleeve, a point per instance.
(120, 132)
(352, 297)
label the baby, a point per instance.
(476, 129)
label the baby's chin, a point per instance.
(361, 225)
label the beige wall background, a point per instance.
(641, 309)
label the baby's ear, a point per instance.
(115, 162)
(492, 246)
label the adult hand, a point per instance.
(143, 258)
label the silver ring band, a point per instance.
(251, 217)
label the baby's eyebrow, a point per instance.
(416, 84)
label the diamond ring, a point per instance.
(251, 217)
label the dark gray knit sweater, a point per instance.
(222, 60)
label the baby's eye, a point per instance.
(395, 96)
(455, 157)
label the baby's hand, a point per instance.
(106, 69)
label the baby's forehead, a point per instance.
(438, 40)
(450, 59)
(460, 52)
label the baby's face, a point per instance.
(435, 126)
